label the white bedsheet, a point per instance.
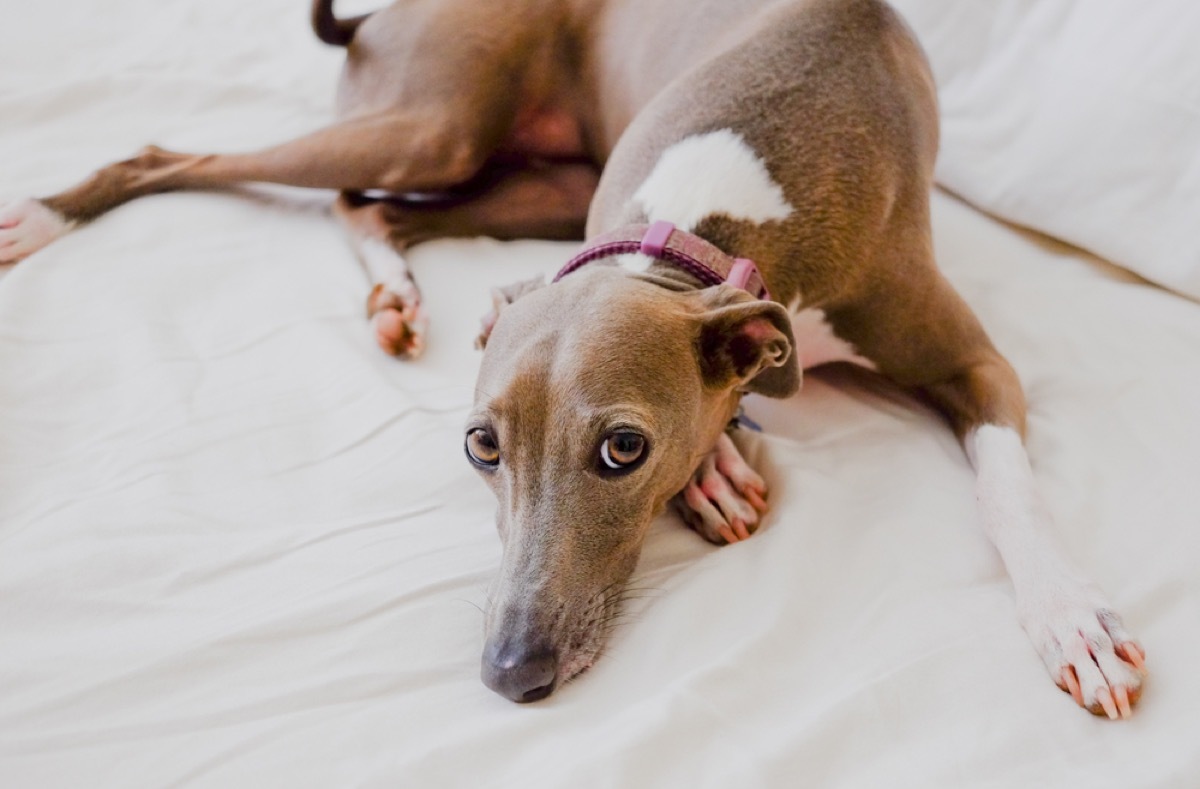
(241, 548)
(1061, 115)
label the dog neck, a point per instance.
(700, 262)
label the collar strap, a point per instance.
(663, 241)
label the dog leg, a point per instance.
(1081, 640)
(26, 226)
(725, 498)
(945, 357)
(399, 153)
(513, 198)
(547, 201)
(398, 319)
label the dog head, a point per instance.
(597, 398)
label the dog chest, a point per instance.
(816, 342)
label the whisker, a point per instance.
(471, 603)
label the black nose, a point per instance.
(518, 671)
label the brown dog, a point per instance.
(799, 135)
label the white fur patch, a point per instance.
(816, 344)
(1015, 520)
(1067, 618)
(713, 173)
(385, 266)
(1004, 480)
(636, 262)
(26, 226)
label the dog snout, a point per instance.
(519, 670)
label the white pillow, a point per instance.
(1078, 119)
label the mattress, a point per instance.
(240, 547)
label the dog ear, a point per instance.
(748, 343)
(501, 298)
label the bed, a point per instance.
(239, 547)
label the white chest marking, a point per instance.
(706, 174)
(816, 343)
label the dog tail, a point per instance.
(333, 31)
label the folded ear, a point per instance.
(501, 298)
(748, 344)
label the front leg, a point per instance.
(725, 498)
(1080, 638)
(1073, 627)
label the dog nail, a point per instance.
(1073, 685)
(1134, 656)
(1122, 697)
(756, 500)
(1106, 702)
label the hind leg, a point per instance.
(394, 308)
(26, 226)
(424, 107)
(400, 152)
(537, 200)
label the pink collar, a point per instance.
(689, 252)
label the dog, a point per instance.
(753, 179)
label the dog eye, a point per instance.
(481, 447)
(621, 450)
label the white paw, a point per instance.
(25, 227)
(1086, 648)
(399, 320)
(725, 498)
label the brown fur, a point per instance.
(508, 111)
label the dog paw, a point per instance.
(26, 226)
(725, 498)
(399, 321)
(1087, 650)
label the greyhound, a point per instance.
(798, 135)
